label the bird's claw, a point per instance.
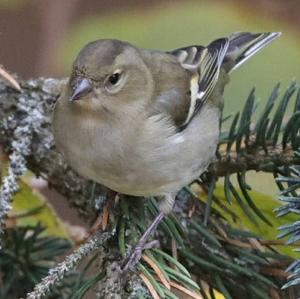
(136, 254)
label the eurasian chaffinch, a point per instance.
(146, 122)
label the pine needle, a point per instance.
(149, 286)
(185, 290)
(157, 270)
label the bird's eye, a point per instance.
(114, 78)
(113, 82)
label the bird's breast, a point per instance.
(143, 160)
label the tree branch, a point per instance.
(46, 162)
(40, 96)
(253, 158)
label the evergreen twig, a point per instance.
(57, 273)
(233, 255)
(289, 185)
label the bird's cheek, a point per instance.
(98, 93)
(99, 100)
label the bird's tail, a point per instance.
(243, 45)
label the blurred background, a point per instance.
(41, 38)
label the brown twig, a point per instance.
(10, 79)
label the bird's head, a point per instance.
(108, 75)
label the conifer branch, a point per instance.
(266, 145)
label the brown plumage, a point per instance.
(145, 122)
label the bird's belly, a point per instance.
(147, 173)
(151, 180)
(148, 165)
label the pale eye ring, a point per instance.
(112, 82)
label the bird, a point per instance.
(147, 122)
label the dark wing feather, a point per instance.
(243, 45)
(209, 68)
(205, 63)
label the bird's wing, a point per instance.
(243, 45)
(204, 64)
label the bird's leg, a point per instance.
(165, 206)
(142, 244)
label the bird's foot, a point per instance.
(137, 252)
(143, 243)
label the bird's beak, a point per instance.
(82, 88)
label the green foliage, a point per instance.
(131, 225)
(288, 181)
(244, 145)
(197, 240)
(236, 217)
(44, 215)
(201, 248)
(26, 258)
